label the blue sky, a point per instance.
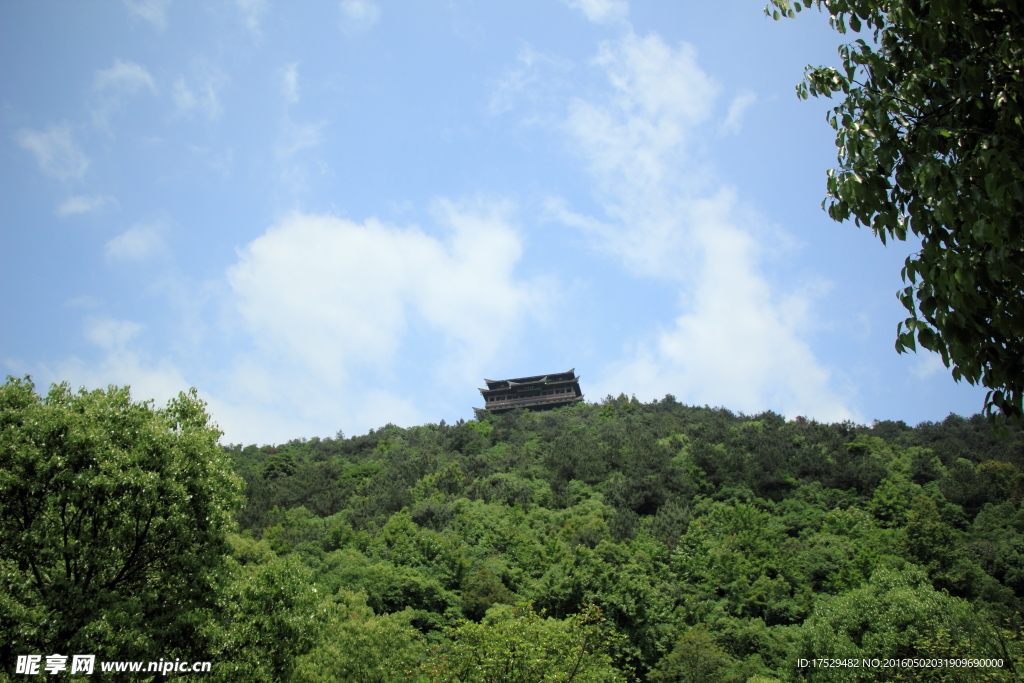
(333, 215)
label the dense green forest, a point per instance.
(616, 541)
(707, 545)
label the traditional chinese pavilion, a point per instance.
(542, 392)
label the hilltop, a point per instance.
(705, 538)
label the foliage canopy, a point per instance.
(112, 521)
(716, 547)
(931, 142)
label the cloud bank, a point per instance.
(736, 339)
(329, 304)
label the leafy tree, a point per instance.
(931, 142)
(525, 648)
(924, 466)
(626, 582)
(892, 501)
(737, 562)
(359, 647)
(896, 615)
(112, 521)
(696, 658)
(392, 589)
(481, 589)
(279, 465)
(267, 616)
(998, 540)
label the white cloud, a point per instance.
(737, 343)
(203, 95)
(124, 76)
(83, 301)
(636, 144)
(326, 309)
(601, 11)
(927, 364)
(331, 307)
(110, 334)
(82, 204)
(252, 12)
(115, 85)
(536, 77)
(120, 364)
(334, 295)
(184, 98)
(734, 119)
(514, 82)
(358, 15)
(136, 244)
(303, 409)
(736, 340)
(159, 381)
(55, 151)
(153, 11)
(290, 82)
(298, 136)
(644, 131)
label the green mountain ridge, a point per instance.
(617, 541)
(708, 545)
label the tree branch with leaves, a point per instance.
(931, 143)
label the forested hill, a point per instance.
(702, 543)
